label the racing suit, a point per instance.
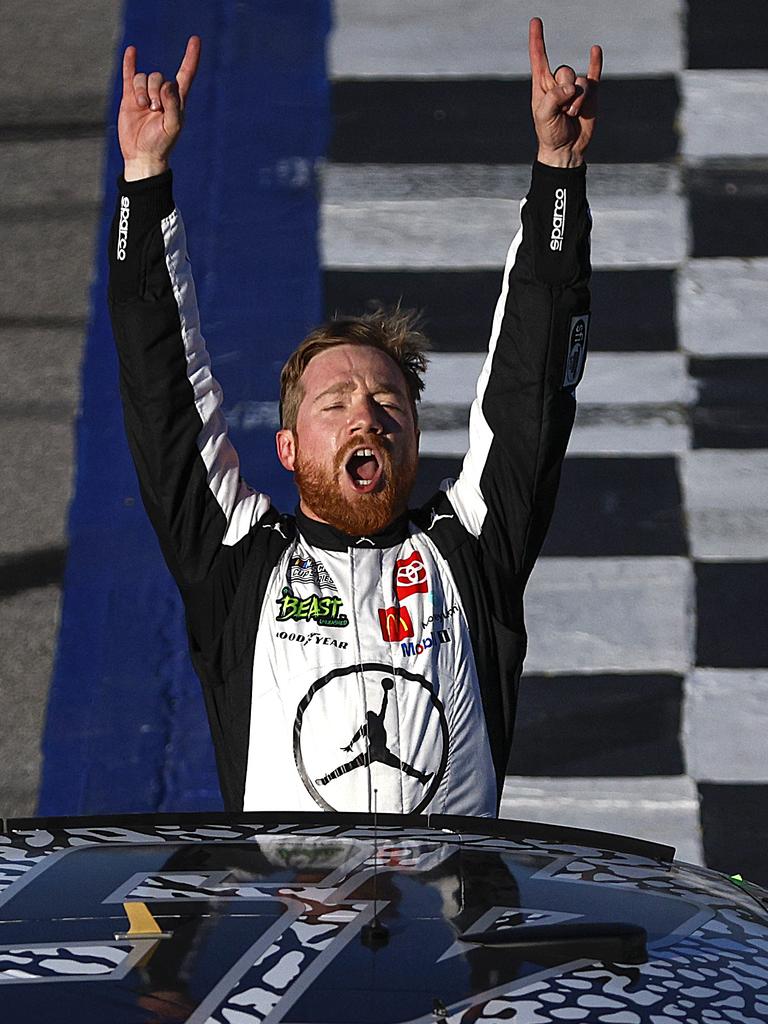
(341, 671)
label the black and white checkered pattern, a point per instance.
(642, 710)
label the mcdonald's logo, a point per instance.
(395, 624)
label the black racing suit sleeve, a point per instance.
(520, 423)
(189, 473)
(522, 416)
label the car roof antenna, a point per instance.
(375, 934)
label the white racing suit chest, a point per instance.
(365, 686)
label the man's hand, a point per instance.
(151, 113)
(563, 105)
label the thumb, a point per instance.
(565, 85)
(169, 97)
(565, 92)
(557, 99)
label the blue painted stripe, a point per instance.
(126, 729)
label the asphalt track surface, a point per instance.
(664, 496)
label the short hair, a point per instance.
(394, 331)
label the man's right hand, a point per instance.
(564, 105)
(152, 112)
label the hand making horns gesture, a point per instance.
(564, 104)
(152, 111)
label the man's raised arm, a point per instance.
(522, 416)
(188, 471)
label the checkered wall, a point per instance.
(643, 706)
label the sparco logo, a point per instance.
(558, 221)
(122, 228)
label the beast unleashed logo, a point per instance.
(325, 611)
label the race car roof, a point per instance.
(336, 918)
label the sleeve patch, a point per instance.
(577, 350)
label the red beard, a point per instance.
(365, 513)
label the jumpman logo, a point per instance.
(374, 732)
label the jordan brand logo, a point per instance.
(374, 704)
(374, 731)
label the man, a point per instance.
(355, 618)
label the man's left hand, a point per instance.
(564, 104)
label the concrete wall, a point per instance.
(56, 70)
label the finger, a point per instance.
(188, 67)
(582, 90)
(554, 102)
(595, 63)
(169, 97)
(140, 89)
(129, 70)
(537, 53)
(154, 83)
(565, 77)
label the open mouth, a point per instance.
(364, 469)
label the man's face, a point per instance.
(354, 450)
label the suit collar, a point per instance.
(322, 535)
